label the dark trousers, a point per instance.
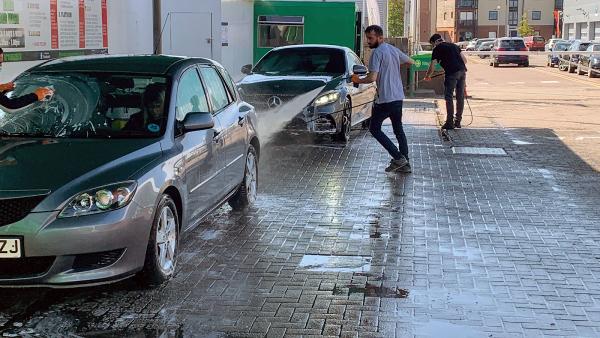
(455, 81)
(393, 111)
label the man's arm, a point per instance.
(432, 65)
(463, 57)
(370, 78)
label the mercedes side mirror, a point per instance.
(247, 69)
(360, 70)
(198, 121)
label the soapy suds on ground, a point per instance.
(272, 121)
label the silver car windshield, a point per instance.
(88, 105)
(303, 61)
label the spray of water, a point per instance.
(272, 121)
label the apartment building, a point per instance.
(581, 20)
(468, 19)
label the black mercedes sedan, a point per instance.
(288, 72)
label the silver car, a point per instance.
(98, 183)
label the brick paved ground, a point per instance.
(466, 246)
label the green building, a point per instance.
(282, 23)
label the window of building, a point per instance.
(582, 31)
(558, 4)
(493, 15)
(451, 15)
(536, 15)
(466, 16)
(277, 31)
(595, 30)
(513, 18)
(513, 4)
(445, 16)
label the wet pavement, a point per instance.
(473, 243)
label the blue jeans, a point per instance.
(455, 81)
(393, 111)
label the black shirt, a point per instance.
(448, 55)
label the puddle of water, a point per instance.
(335, 263)
(371, 290)
(374, 235)
(438, 328)
(521, 143)
(209, 235)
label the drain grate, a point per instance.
(335, 263)
(478, 151)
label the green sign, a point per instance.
(422, 62)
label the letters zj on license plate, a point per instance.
(10, 248)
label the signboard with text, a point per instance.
(45, 29)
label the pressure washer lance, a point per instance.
(466, 99)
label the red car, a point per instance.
(535, 43)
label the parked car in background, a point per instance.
(424, 48)
(286, 72)
(590, 63)
(479, 42)
(568, 62)
(554, 59)
(552, 42)
(462, 45)
(486, 47)
(509, 45)
(86, 199)
(535, 43)
(471, 44)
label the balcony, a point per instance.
(467, 23)
(466, 4)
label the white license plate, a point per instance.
(10, 248)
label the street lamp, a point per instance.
(498, 21)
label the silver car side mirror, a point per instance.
(360, 70)
(198, 121)
(247, 69)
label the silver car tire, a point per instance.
(344, 134)
(162, 250)
(246, 194)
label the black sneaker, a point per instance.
(448, 126)
(395, 165)
(405, 170)
(457, 124)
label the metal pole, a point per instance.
(156, 26)
(498, 22)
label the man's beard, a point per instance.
(374, 45)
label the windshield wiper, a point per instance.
(38, 134)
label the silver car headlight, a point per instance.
(327, 99)
(102, 199)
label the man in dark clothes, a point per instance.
(454, 63)
(151, 116)
(40, 94)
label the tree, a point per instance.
(524, 28)
(396, 18)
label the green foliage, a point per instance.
(524, 28)
(396, 18)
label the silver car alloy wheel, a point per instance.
(166, 241)
(251, 177)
